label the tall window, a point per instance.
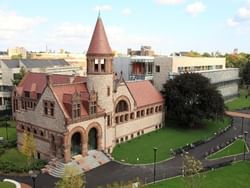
(93, 107)
(45, 108)
(76, 110)
(109, 120)
(96, 65)
(102, 65)
(48, 108)
(108, 91)
(121, 106)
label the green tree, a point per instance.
(29, 147)
(193, 54)
(190, 98)
(72, 178)
(206, 54)
(19, 76)
(246, 74)
(191, 171)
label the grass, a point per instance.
(141, 148)
(234, 176)
(15, 157)
(240, 102)
(235, 148)
(11, 130)
(7, 185)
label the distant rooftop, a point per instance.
(35, 63)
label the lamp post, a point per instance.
(33, 175)
(245, 147)
(155, 150)
(242, 123)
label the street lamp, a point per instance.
(33, 175)
(245, 147)
(242, 122)
(155, 150)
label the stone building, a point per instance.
(71, 115)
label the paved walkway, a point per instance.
(115, 172)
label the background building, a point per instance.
(9, 69)
(214, 68)
(17, 53)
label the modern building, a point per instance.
(214, 68)
(134, 67)
(9, 69)
(20, 52)
(72, 115)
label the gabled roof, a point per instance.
(38, 81)
(64, 94)
(99, 43)
(144, 93)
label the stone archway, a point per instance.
(76, 144)
(94, 137)
(77, 136)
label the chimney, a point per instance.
(48, 79)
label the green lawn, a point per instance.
(7, 185)
(235, 148)
(234, 176)
(11, 130)
(141, 148)
(240, 102)
(15, 157)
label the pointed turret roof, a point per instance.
(99, 43)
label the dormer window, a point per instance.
(93, 107)
(76, 110)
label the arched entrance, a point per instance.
(76, 144)
(92, 139)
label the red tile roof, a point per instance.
(99, 43)
(144, 93)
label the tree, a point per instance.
(206, 54)
(19, 76)
(191, 170)
(190, 98)
(29, 147)
(246, 74)
(72, 178)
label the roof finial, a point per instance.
(99, 13)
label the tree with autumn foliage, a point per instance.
(29, 147)
(191, 171)
(72, 178)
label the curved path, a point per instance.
(115, 172)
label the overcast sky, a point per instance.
(166, 25)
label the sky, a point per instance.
(166, 25)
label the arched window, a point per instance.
(121, 106)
